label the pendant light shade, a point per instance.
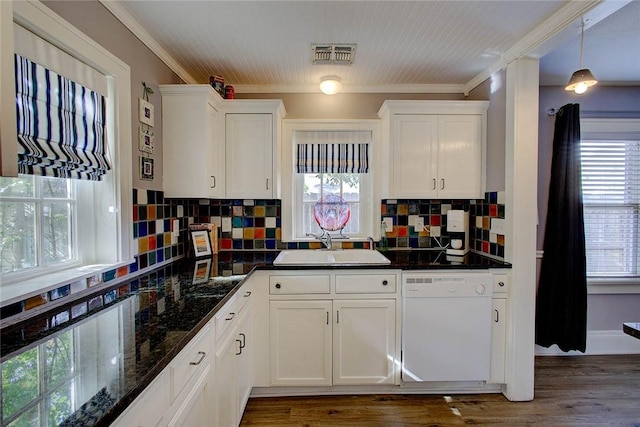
(330, 85)
(582, 79)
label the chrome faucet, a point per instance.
(371, 244)
(325, 239)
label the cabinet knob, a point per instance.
(501, 284)
(278, 286)
(385, 283)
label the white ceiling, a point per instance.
(402, 46)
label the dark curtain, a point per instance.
(561, 306)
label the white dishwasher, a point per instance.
(446, 326)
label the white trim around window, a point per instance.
(372, 198)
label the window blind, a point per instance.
(332, 152)
(611, 196)
(60, 124)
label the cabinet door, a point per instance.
(300, 342)
(249, 154)
(459, 156)
(364, 341)
(195, 411)
(415, 144)
(226, 389)
(192, 144)
(244, 362)
(150, 408)
(498, 340)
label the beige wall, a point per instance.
(93, 19)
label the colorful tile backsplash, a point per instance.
(256, 225)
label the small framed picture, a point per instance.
(201, 243)
(146, 141)
(201, 271)
(146, 168)
(145, 112)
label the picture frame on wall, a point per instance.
(146, 141)
(145, 112)
(201, 243)
(146, 168)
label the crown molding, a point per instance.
(143, 35)
(418, 88)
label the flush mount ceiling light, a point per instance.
(330, 85)
(582, 79)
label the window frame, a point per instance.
(370, 200)
(612, 129)
(113, 203)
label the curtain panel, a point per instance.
(61, 125)
(561, 305)
(332, 158)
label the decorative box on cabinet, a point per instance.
(437, 148)
(193, 148)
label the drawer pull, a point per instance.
(230, 316)
(244, 340)
(385, 283)
(497, 316)
(213, 181)
(239, 348)
(278, 286)
(202, 356)
(248, 294)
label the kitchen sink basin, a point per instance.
(303, 257)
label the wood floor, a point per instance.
(569, 391)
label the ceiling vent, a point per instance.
(340, 54)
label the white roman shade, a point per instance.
(332, 152)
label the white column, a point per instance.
(521, 169)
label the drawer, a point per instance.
(225, 317)
(365, 284)
(189, 361)
(292, 285)
(500, 283)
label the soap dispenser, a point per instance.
(384, 243)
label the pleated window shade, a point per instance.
(611, 196)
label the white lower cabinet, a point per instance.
(195, 410)
(150, 408)
(300, 341)
(364, 335)
(332, 342)
(233, 361)
(499, 328)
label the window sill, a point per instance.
(22, 290)
(621, 285)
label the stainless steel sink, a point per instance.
(315, 257)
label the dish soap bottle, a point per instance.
(384, 243)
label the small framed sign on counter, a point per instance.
(201, 243)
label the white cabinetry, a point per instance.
(149, 409)
(215, 148)
(252, 141)
(436, 148)
(499, 327)
(333, 329)
(233, 362)
(193, 142)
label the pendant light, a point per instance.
(582, 79)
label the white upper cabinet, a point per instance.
(215, 148)
(436, 149)
(192, 142)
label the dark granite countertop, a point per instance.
(632, 328)
(102, 350)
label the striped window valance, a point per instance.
(332, 151)
(60, 123)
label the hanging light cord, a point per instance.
(582, 44)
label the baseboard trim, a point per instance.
(598, 343)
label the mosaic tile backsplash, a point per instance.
(256, 225)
